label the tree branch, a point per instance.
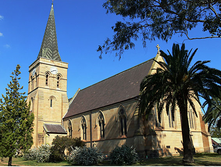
(200, 37)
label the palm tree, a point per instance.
(176, 82)
(213, 113)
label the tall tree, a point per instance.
(161, 19)
(15, 119)
(178, 83)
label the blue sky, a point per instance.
(81, 26)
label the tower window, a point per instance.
(51, 102)
(46, 81)
(47, 78)
(36, 82)
(58, 80)
(32, 82)
(32, 104)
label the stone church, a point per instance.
(104, 115)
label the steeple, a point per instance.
(49, 46)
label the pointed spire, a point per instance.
(49, 46)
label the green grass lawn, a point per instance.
(22, 162)
(206, 159)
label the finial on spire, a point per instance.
(52, 2)
(158, 48)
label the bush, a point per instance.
(31, 154)
(59, 144)
(123, 156)
(43, 153)
(85, 156)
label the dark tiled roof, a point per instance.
(54, 128)
(49, 46)
(117, 88)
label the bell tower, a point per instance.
(47, 87)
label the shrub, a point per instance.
(43, 154)
(59, 144)
(85, 156)
(123, 156)
(31, 154)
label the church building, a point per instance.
(104, 115)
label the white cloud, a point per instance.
(1, 34)
(1, 17)
(7, 46)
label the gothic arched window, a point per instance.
(191, 118)
(157, 119)
(32, 82)
(51, 102)
(32, 104)
(84, 127)
(123, 122)
(171, 118)
(101, 124)
(36, 82)
(70, 128)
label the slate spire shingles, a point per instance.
(49, 46)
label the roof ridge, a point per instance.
(118, 74)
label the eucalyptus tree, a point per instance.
(160, 19)
(177, 83)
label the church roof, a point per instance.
(54, 128)
(120, 87)
(49, 46)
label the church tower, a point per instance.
(47, 87)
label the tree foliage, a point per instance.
(215, 132)
(15, 119)
(176, 82)
(59, 145)
(160, 19)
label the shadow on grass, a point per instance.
(200, 159)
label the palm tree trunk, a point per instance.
(10, 161)
(187, 144)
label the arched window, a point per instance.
(157, 119)
(51, 102)
(70, 129)
(36, 82)
(32, 82)
(170, 118)
(32, 104)
(101, 124)
(123, 122)
(47, 78)
(84, 127)
(191, 118)
(58, 80)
